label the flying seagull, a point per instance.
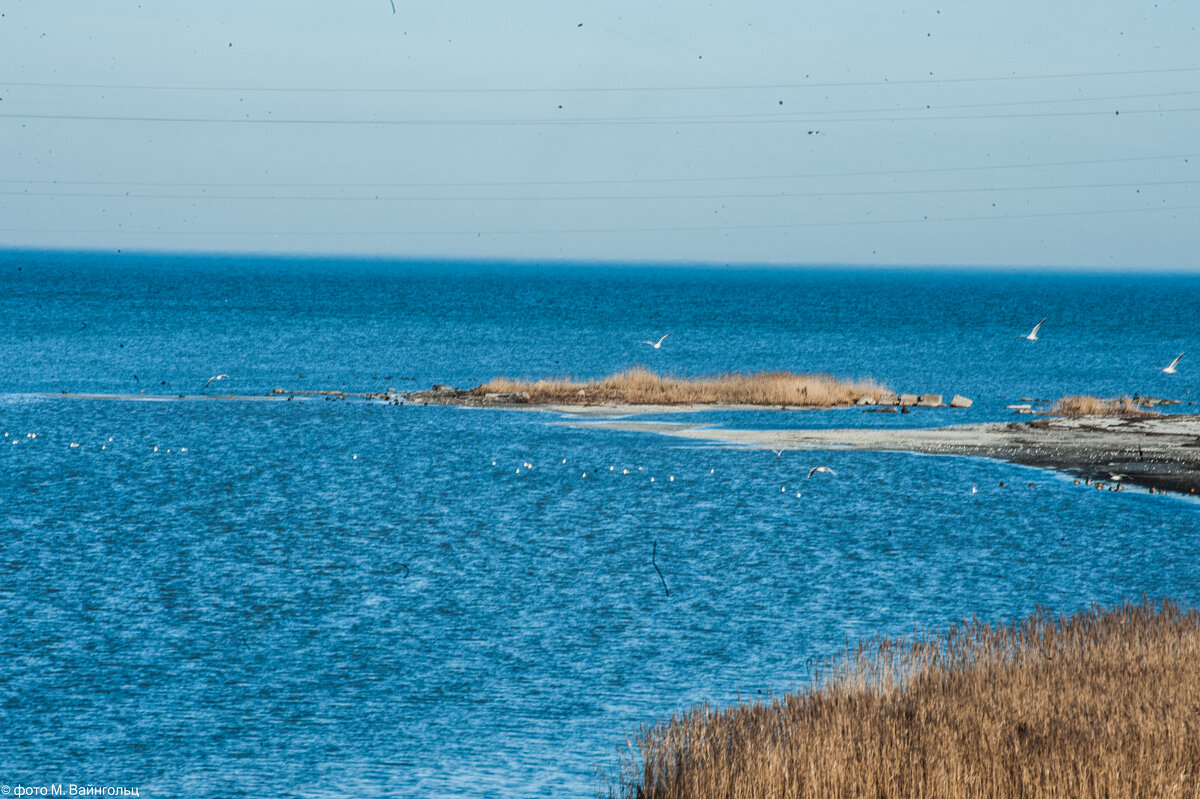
(1033, 334)
(214, 378)
(778, 453)
(1170, 369)
(816, 469)
(657, 344)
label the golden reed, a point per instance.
(1095, 406)
(1104, 703)
(639, 386)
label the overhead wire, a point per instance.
(601, 89)
(813, 118)
(610, 181)
(779, 195)
(924, 219)
(1039, 108)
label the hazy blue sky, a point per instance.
(1027, 132)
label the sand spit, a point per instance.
(160, 397)
(277, 395)
(1157, 452)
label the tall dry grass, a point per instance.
(1095, 406)
(1105, 703)
(639, 386)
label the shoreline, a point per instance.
(1161, 453)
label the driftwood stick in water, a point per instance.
(654, 560)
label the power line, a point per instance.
(780, 195)
(611, 181)
(923, 220)
(809, 119)
(592, 89)
(1001, 104)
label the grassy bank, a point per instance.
(1103, 703)
(1096, 406)
(642, 387)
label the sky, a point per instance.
(1027, 133)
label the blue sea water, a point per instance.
(322, 598)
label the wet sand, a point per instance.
(1158, 452)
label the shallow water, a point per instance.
(268, 614)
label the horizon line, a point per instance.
(429, 259)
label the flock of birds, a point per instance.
(527, 466)
(15, 439)
(1032, 335)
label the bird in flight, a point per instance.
(1170, 368)
(1033, 334)
(657, 344)
(816, 469)
(214, 378)
(778, 453)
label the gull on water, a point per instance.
(1033, 334)
(215, 378)
(1170, 368)
(816, 469)
(657, 344)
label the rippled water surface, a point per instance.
(325, 598)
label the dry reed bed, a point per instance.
(1105, 703)
(640, 386)
(1095, 406)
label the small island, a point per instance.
(639, 387)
